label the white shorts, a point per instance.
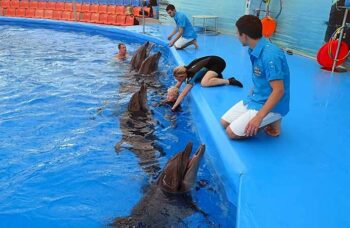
(239, 116)
(182, 41)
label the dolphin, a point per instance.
(140, 55)
(137, 127)
(150, 64)
(167, 202)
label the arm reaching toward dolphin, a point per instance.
(188, 87)
(172, 34)
(182, 95)
(179, 34)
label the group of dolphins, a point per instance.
(166, 202)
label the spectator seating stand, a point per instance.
(95, 12)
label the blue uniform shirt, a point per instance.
(182, 22)
(268, 63)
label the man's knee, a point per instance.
(232, 135)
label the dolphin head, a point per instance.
(145, 47)
(138, 101)
(180, 173)
(140, 55)
(157, 57)
(150, 64)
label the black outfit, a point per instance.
(213, 63)
(153, 3)
(335, 21)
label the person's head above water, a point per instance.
(173, 93)
(122, 49)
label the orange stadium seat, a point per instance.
(41, 5)
(102, 8)
(68, 6)
(11, 12)
(59, 6)
(33, 5)
(39, 13)
(111, 9)
(121, 19)
(94, 8)
(14, 4)
(111, 19)
(57, 14)
(67, 16)
(136, 11)
(130, 20)
(21, 12)
(120, 10)
(24, 4)
(86, 17)
(5, 4)
(30, 12)
(51, 5)
(103, 18)
(94, 17)
(48, 14)
(85, 8)
(78, 7)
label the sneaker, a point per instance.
(273, 129)
(234, 82)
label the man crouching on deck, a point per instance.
(269, 98)
(184, 30)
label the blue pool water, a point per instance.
(61, 98)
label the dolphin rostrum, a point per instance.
(167, 202)
(137, 127)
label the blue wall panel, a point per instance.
(301, 25)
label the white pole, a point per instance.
(247, 7)
(75, 10)
(143, 16)
(340, 39)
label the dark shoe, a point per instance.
(234, 82)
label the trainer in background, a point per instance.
(185, 34)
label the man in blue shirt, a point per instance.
(184, 30)
(269, 98)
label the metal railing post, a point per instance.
(143, 16)
(75, 10)
(340, 39)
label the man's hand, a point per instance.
(253, 126)
(169, 37)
